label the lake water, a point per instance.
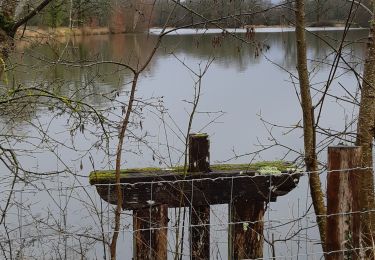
(248, 105)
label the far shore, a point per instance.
(255, 29)
(38, 32)
(66, 32)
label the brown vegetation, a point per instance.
(36, 32)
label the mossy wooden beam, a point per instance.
(263, 167)
(142, 188)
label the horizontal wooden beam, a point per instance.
(203, 188)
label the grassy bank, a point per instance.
(36, 32)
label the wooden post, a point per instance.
(150, 236)
(246, 238)
(343, 229)
(199, 161)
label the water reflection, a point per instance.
(238, 76)
(37, 64)
(241, 83)
(135, 48)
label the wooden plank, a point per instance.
(245, 239)
(150, 233)
(343, 230)
(199, 161)
(213, 188)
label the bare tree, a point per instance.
(309, 130)
(365, 138)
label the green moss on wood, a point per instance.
(100, 176)
(200, 135)
(279, 165)
(265, 167)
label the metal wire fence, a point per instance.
(288, 226)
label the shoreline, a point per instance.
(61, 32)
(66, 32)
(271, 29)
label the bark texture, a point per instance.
(365, 135)
(199, 161)
(246, 239)
(308, 121)
(150, 233)
(343, 189)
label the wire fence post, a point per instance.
(199, 161)
(343, 187)
(150, 233)
(246, 236)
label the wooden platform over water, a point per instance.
(246, 188)
(263, 181)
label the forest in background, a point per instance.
(138, 15)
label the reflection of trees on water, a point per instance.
(61, 67)
(14, 116)
(97, 85)
(317, 49)
(133, 49)
(45, 62)
(230, 52)
(233, 53)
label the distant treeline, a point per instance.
(137, 15)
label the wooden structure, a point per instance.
(343, 218)
(247, 188)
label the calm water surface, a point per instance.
(246, 94)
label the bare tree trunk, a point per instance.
(9, 25)
(308, 122)
(365, 135)
(123, 128)
(6, 35)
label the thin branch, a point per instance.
(30, 15)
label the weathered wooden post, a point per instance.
(246, 238)
(150, 236)
(343, 226)
(199, 161)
